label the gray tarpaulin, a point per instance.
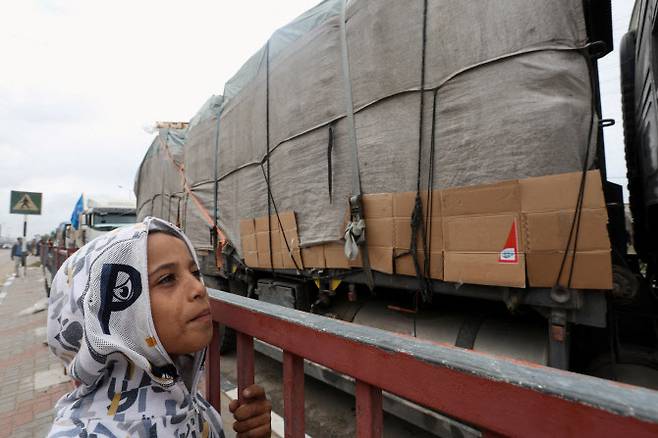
(513, 100)
(159, 183)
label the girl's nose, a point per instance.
(197, 288)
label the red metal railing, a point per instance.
(502, 397)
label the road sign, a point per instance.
(25, 203)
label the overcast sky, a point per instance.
(80, 78)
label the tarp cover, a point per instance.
(508, 95)
(159, 182)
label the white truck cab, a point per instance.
(101, 216)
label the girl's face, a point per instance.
(179, 301)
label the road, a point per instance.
(329, 412)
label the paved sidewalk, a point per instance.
(31, 378)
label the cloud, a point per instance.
(43, 107)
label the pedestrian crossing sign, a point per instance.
(25, 203)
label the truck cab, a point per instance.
(100, 217)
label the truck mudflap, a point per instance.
(495, 395)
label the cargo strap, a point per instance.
(420, 224)
(265, 169)
(355, 232)
(221, 239)
(330, 172)
(574, 231)
(278, 218)
(216, 187)
(267, 154)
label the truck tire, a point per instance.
(227, 339)
(631, 146)
(226, 335)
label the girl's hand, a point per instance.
(252, 416)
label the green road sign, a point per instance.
(25, 203)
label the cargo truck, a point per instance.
(100, 216)
(437, 169)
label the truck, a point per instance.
(435, 169)
(100, 216)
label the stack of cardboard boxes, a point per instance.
(512, 233)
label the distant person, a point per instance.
(18, 255)
(130, 318)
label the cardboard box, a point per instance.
(248, 242)
(262, 224)
(487, 199)
(380, 232)
(251, 259)
(378, 205)
(483, 268)
(292, 259)
(560, 192)
(381, 259)
(313, 256)
(482, 235)
(548, 205)
(592, 270)
(542, 209)
(277, 260)
(249, 250)
(402, 234)
(511, 233)
(289, 240)
(334, 256)
(484, 250)
(549, 231)
(247, 227)
(263, 248)
(404, 264)
(288, 220)
(403, 204)
(278, 243)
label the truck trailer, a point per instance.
(433, 168)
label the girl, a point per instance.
(130, 318)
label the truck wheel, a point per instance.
(637, 373)
(227, 339)
(632, 145)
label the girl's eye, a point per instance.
(166, 279)
(197, 273)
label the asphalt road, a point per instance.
(329, 412)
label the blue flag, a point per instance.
(75, 216)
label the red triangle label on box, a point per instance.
(510, 252)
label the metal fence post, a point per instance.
(293, 395)
(369, 417)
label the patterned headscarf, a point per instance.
(100, 325)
